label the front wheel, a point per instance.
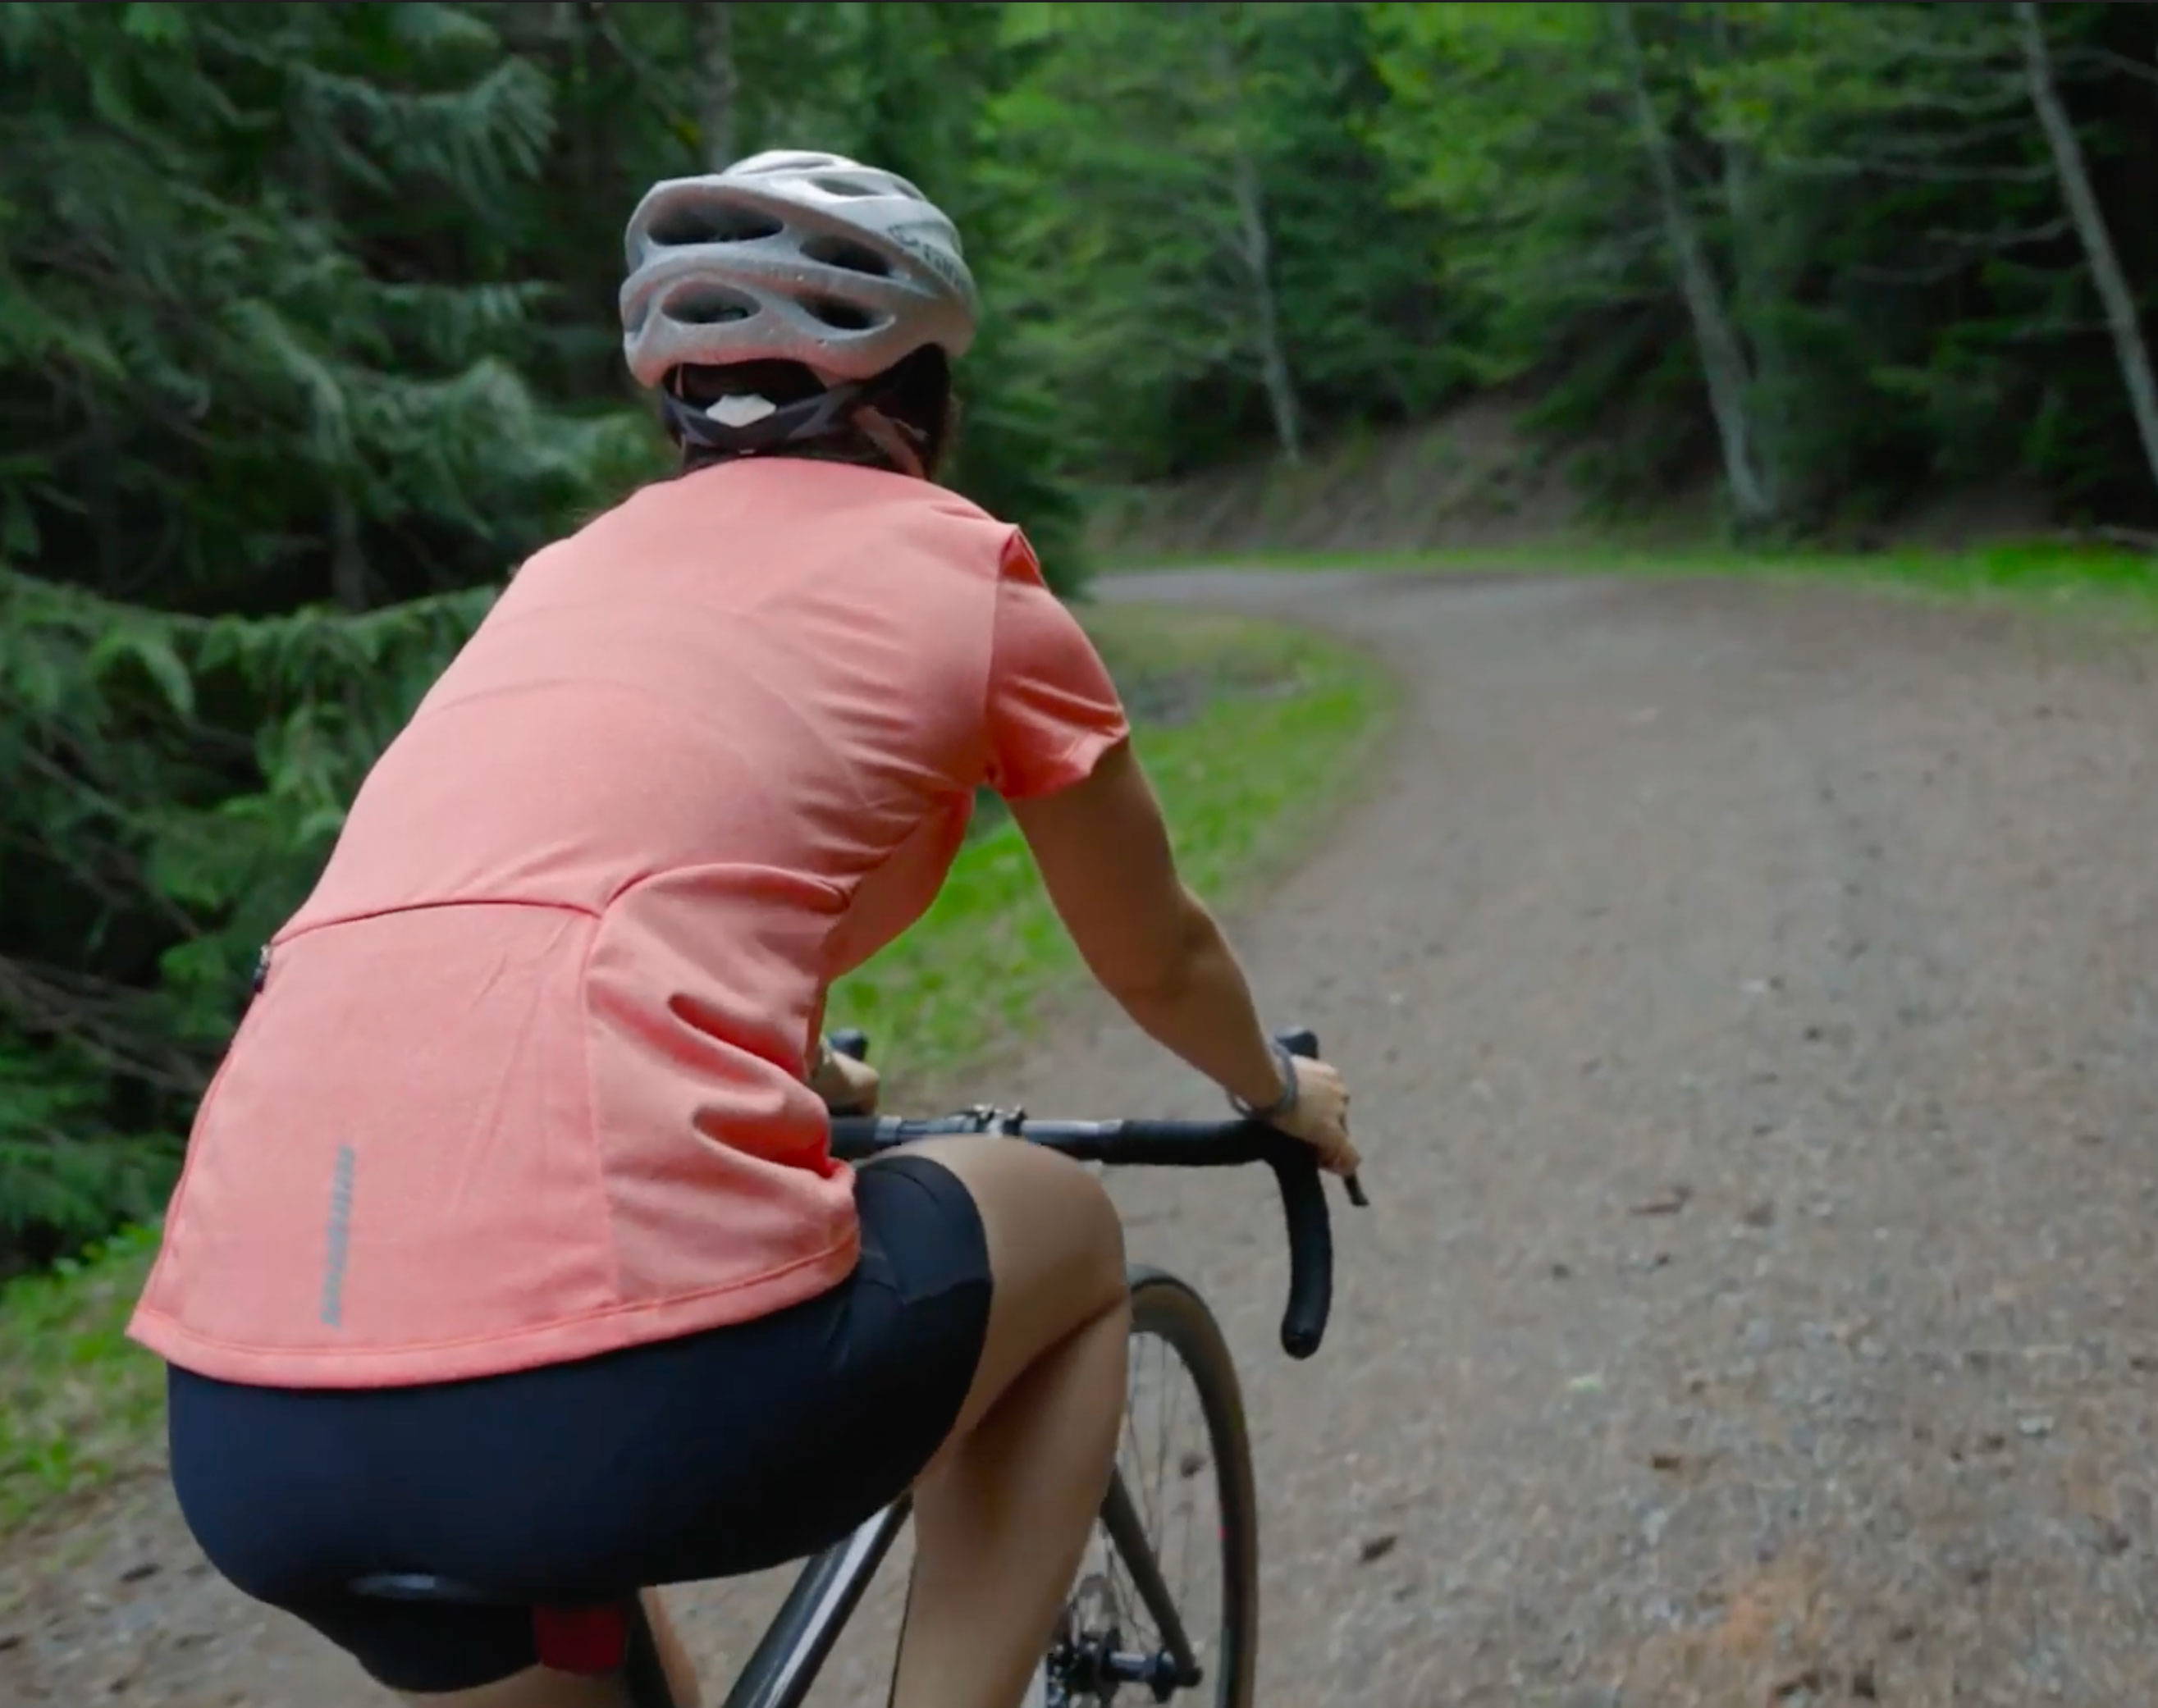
(1179, 1558)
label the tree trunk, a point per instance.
(2121, 317)
(349, 581)
(1252, 247)
(715, 73)
(1767, 256)
(1256, 253)
(104, 495)
(1768, 251)
(1722, 359)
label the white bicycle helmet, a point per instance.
(795, 257)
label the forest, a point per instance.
(307, 337)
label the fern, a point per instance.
(66, 1176)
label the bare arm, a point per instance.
(1104, 855)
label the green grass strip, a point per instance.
(2103, 580)
(79, 1403)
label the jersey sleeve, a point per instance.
(1052, 709)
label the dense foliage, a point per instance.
(306, 337)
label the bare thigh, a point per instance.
(1056, 1248)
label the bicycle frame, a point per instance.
(795, 1646)
(788, 1657)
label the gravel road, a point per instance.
(1749, 994)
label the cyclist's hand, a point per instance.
(1319, 1116)
(844, 1083)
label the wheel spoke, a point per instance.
(1169, 1444)
(1188, 1489)
(1165, 1413)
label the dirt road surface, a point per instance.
(1752, 1000)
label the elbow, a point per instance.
(1151, 991)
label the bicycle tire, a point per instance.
(1168, 1311)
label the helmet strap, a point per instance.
(794, 423)
(807, 418)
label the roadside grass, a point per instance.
(79, 1403)
(2103, 580)
(1237, 720)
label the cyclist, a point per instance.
(508, 1246)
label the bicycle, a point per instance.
(1123, 1624)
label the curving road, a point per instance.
(1752, 997)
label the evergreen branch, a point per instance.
(89, 1012)
(2108, 60)
(2003, 239)
(1939, 272)
(643, 77)
(1838, 165)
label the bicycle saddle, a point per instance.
(590, 1638)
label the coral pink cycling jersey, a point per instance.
(524, 1080)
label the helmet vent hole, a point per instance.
(713, 224)
(852, 257)
(833, 185)
(841, 316)
(709, 305)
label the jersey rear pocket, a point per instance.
(399, 1152)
